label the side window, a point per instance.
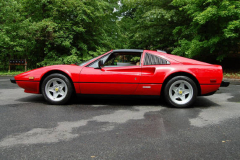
(150, 59)
(119, 59)
(123, 59)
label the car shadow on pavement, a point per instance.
(233, 90)
(113, 100)
(204, 102)
(201, 102)
(116, 100)
(36, 98)
(103, 100)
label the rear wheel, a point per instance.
(180, 91)
(56, 88)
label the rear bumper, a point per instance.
(209, 88)
(224, 84)
(13, 80)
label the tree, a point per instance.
(184, 27)
(151, 23)
(13, 40)
(214, 27)
(57, 31)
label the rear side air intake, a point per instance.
(154, 60)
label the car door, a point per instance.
(121, 80)
(154, 69)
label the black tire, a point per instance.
(178, 85)
(62, 88)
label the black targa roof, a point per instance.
(128, 50)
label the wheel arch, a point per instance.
(52, 72)
(181, 74)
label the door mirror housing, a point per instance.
(100, 64)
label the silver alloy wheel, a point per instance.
(181, 92)
(56, 89)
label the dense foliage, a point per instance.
(184, 27)
(67, 31)
(214, 27)
(56, 31)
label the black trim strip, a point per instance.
(13, 80)
(224, 84)
(211, 84)
(129, 50)
(26, 81)
(136, 83)
(117, 82)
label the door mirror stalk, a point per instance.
(100, 65)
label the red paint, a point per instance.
(127, 80)
(110, 80)
(77, 88)
(30, 87)
(148, 89)
(108, 88)
(209, 88)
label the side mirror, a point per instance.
(100, 64)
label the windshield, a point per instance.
(85, 62)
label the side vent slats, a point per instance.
(154, 60)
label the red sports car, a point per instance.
(126, 72)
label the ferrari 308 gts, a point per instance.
(126, 72)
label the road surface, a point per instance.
(118, 127)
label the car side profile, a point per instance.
(126, 72)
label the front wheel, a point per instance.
(180, 91)
(56, 88)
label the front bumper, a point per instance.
(224, 84)
(28, 86)
(13, 80)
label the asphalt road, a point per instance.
(121, 128)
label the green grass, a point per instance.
(12, 73)
(231, 75)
